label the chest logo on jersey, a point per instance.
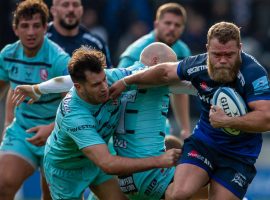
(196, 69)
(205, 87)
(43, 74)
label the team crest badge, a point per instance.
(43, 74)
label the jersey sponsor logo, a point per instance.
(204, 87)
(150, 187)
(204, 98)
(119, 143)
(28, 74)
(195, 154)
(127, 184)
(66, 101)
(196, 69)
(43, 74)
(81, 127)
(239, 179)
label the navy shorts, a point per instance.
(233, 172)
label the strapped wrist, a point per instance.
(34, 92)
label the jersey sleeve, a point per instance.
(181, 70)
(82, 130)
(126, 61)
(61, 65)
(257, 84)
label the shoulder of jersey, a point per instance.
(232, 104)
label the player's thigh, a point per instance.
(13, 170)
(218, 192)
(190, 178)
(108, 190)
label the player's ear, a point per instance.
(77, 86)
(53, 11)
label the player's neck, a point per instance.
(66, 32)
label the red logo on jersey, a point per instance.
(43, 74)
(205, 87)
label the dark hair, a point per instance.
(26, 9)
(174, 8)
(85, 59)
(224, 32)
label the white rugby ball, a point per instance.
(232, 104)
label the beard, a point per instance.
(224, 74)
(68, 26)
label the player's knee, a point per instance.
(179, 193)
(7, 188)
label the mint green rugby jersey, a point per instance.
(133, 52)
(18, 69)
(78, 125)
(142, 125)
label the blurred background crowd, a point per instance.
(121, 22)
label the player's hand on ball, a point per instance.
(217, 117)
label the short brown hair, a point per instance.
(174, 8)
(26, 9)
(224, 32)
(85, 59)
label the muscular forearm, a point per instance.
(161, 74)
(122, 166)
(255, 121)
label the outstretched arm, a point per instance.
(161, 74)
(56, 85)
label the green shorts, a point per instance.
(14, 142)
(148, 185)
(71, 183)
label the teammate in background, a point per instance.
(66, 31)
(30, 60)
(76, 152)
(211, 155)
(169, 26)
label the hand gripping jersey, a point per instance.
(252, 84)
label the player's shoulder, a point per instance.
(90, 38)
(53, 48)
(10, 49)
(181, 48)
(136, 47)
(250, 66)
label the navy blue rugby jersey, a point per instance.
(252, 84)
(70, 43)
